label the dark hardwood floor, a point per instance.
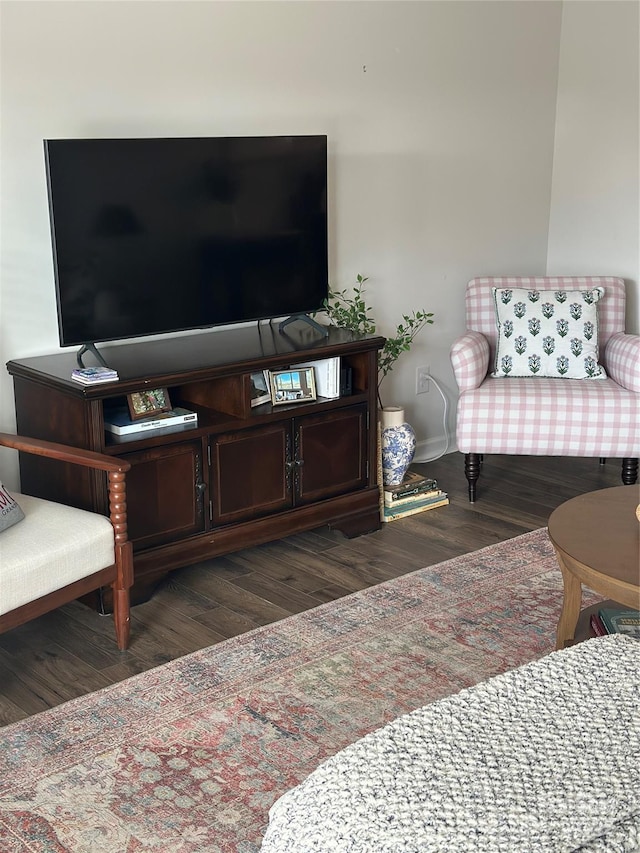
(72, 651)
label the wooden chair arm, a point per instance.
(120, 575)
(65, 453)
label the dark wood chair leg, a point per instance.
(629, 471)
(124, 559)
(472, 463)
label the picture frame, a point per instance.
(145, 404)
(294, 385)
(260, 388)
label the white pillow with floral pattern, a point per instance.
(552, 333)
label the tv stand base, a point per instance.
(305, 319)
(94, 351)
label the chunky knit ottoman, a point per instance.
(543, 758)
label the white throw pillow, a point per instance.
(552, 333)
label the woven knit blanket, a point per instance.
(542, 759)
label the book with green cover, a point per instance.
(391, 513)
(398, 502)
(412, 484)
(618, 620)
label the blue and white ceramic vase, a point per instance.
(398, 445)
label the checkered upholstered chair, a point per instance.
(537, 416)
(56, 553)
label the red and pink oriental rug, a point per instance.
(188, 757)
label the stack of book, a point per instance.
(616, 620)
(119, 422)
(93, 375)
(415, 494)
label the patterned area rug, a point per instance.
(188, 758)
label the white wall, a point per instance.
(594, 225)
(440, 117)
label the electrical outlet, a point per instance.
(423, 374)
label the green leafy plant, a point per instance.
(349, 310)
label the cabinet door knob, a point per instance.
(201, 488)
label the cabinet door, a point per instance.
(165, 494)
(330, 453)
(251, 473)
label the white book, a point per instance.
(120, 423)
(327, 373)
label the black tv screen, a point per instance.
(160, 235)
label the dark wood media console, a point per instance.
(243, 475)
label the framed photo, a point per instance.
(144, 404)
(260, 391)
(297, 385)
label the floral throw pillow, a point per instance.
(552, 333)
(10, 510)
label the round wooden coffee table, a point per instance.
(597, 541)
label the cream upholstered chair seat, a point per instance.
(542, 416)
(50, 549)
(57, 553)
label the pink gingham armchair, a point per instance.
(536, 416)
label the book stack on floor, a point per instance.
(616, 620)
(415, 494)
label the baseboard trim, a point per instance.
(432, 448)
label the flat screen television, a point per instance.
(152, 236)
